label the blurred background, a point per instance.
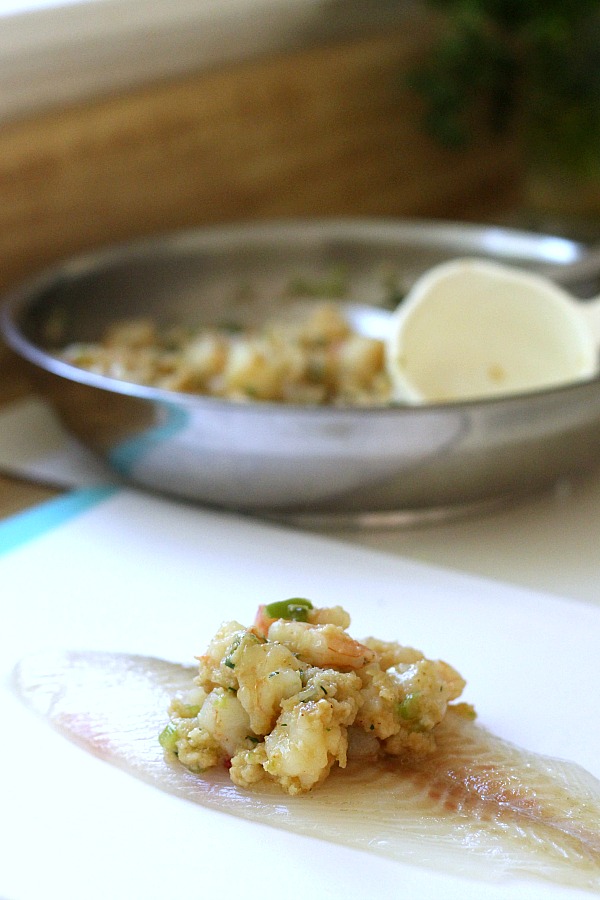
(121, 118)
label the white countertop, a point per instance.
(123, 571)
(549, 542)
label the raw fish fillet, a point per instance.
(479, 808)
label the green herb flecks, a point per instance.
(332, 286)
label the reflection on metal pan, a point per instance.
(313, 464)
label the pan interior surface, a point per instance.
(392, 465)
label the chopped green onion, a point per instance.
(410, 708)
(168, 738)
(296, 609)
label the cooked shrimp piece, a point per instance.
(213, 668)
(321, 645)
(311, 736)
(226, 721)
(301, 751)
(262, 621)
(329, 615)
(266, 674)
(213, 736)
(427, 687)
(391, 653)
(298, 609)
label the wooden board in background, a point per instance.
(327, 131)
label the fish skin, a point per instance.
(475, 773)
(467, 810)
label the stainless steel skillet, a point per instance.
(299, 463)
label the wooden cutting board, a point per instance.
(321, 131)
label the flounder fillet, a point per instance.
(479, 807)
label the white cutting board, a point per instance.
(122, 571)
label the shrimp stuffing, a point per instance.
(288, 698)
(313, 357)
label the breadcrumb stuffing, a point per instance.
(294, 695)
(316, 359)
